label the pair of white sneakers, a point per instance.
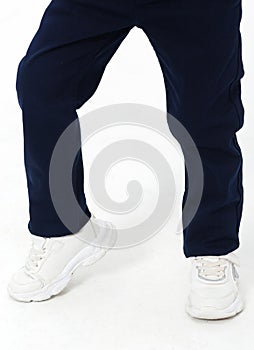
(214, 292)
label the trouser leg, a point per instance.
(198, 45)
(60, 71)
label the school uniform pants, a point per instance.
(198, 45)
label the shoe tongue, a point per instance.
(230, 257)
(38, 241)
(211, 258)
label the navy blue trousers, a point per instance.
(198, 45)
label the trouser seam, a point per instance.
(240, 122)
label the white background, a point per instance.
(133, 298)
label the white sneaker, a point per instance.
(52, 261)
(214, 287)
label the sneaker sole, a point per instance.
(216, 314)
(86, 257)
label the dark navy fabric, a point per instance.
(198, 45)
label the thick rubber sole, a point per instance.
(86, 257)
(216, 314)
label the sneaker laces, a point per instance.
(211, 268)
(35, 256)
